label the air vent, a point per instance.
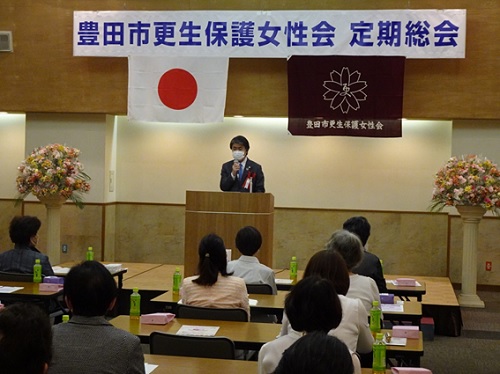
(6, 41)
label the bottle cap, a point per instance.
(375, 303)
(294, 258)
(379, 336)
(177, 269)
(90, 248)
(135, 289)
(37, 261)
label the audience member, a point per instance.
(353, 330)
(316, 353)
(214, 287)
(88, 343)
(25, 339)
(248, 241)
(350, 248)
(370, 265)
(23, 231)
(311, 305)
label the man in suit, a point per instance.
(23, 231)
(241, 174)
(88, 343)
(370, 265)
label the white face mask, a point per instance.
(238, 155)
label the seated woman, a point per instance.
(312, 305)
(88, 343)
(353, 330)
(214, 287)
(23, 231)
(25, 339)
(349, 246)
(316, 353)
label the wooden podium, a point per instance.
(225, 213)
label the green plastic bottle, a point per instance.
(37, 271)
(375, 316)
(90, 254)
(177, 281)
(293, 269)
(379, 350)
(135, 304)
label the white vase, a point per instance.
(471, 216)
(53, 203)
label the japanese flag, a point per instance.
(177, 89)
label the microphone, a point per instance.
(237, 163)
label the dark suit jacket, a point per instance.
(22, 259)
(227, 183)
(371, 267)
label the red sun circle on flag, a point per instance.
(177, 89)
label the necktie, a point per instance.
(240, 175)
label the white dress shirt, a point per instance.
(252, 271)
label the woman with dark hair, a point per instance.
(311, 305)
(353, 330)
(25, 339)
(88, 343)
(214, 287)
(316, 353)
(23, 232)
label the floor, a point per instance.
(476, 350)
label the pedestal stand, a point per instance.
(53, 205)
(471, 216)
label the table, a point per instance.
(266, 304)
(408, 355)
(405, 292)
(158, 278)
(284, 274)
(198, 365)
(274, 304)
(61, 270)
(31, 293)
(412, 312)
(245, 335)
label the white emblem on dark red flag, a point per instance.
(345, 90)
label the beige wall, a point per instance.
(158, 162)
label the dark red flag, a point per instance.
(345, 95)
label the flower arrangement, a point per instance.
(53, 170)
(470, 180)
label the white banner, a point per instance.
(427, 33)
